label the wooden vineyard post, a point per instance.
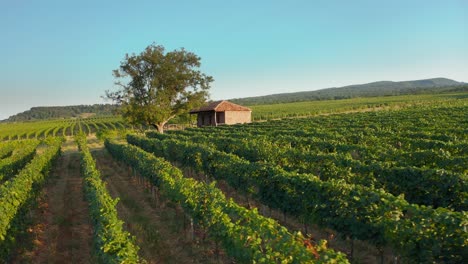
(192, 231)
(381, 254)
(217, 250)
(184, 224)
(352, 248)
(157, 197)
(207, 180)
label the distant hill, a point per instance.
(54, 112)
(382, 88)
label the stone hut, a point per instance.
(222, 112)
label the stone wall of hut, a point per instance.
(237, 117)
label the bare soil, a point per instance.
(62, 231)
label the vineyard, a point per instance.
(312, 108)
(58, 128)
(387, 186)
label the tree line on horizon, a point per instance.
(349, 92)
(58, 112)
(76, 111)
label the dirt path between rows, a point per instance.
(161, 232)
(62, 232)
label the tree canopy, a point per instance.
(156, 86)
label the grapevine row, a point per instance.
(421, 152)
(419, 233)
(245, 235)
(23, 153)
(70, 127)
(16, 194)
(113, 244)
(6, 149)
(438, 188)
(440, 127)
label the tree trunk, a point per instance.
(160, 127)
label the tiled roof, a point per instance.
(221, 106)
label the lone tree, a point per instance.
(156, 86)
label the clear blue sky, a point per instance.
(63, 52)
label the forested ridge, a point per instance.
(55, 112)
(374, 89)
